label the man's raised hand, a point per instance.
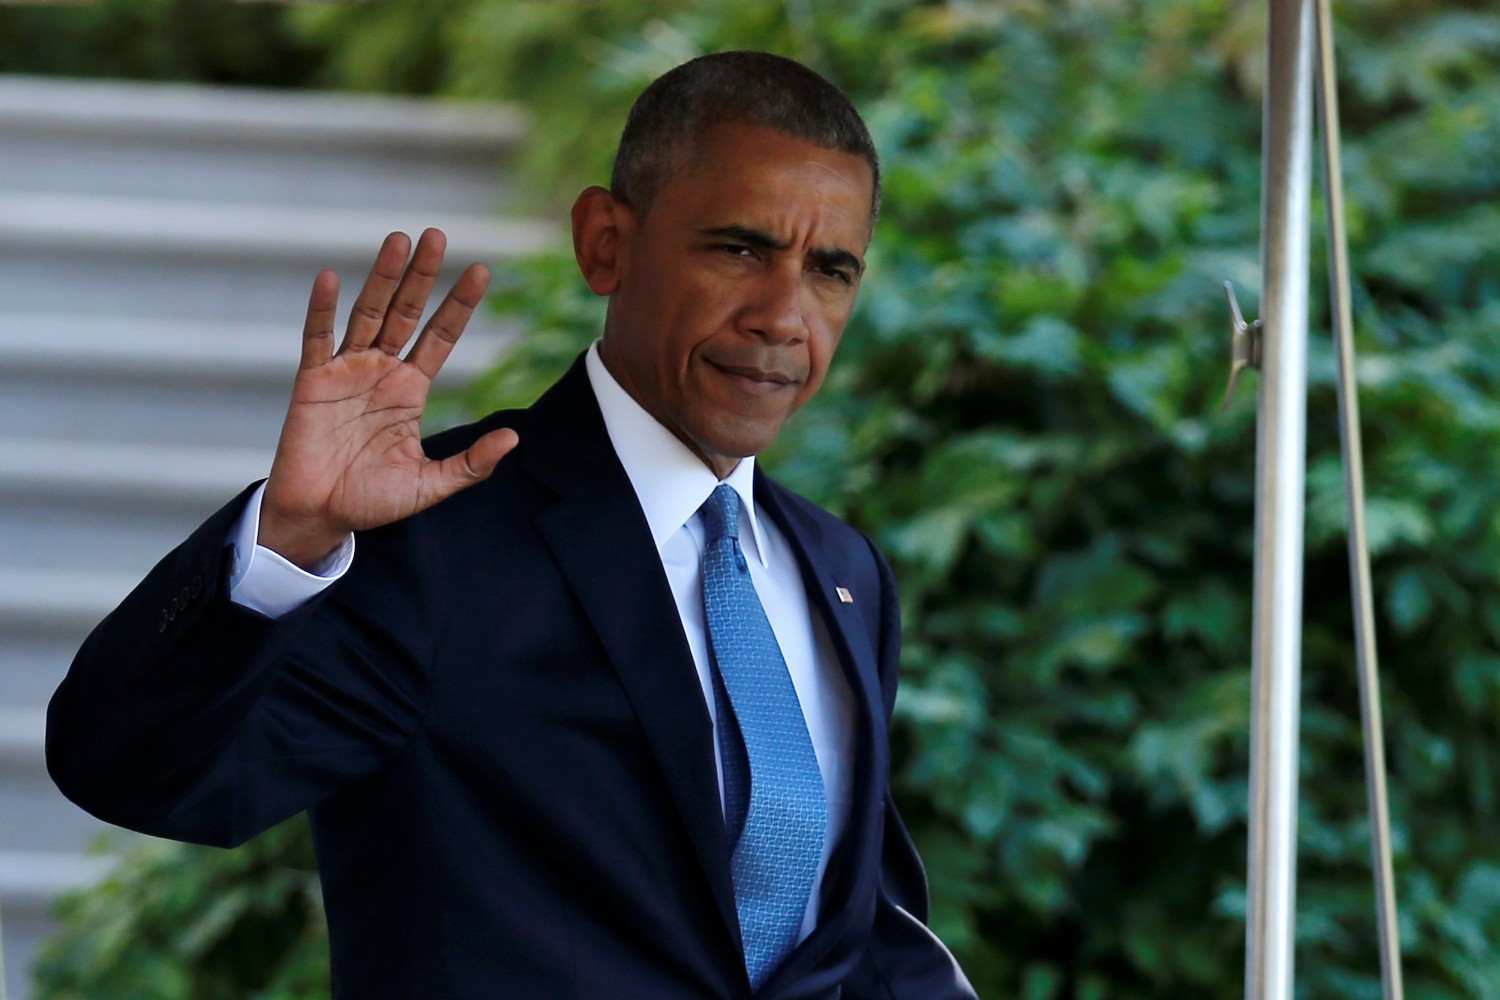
(350, 456)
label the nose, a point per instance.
(775, 311)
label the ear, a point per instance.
(601, 226)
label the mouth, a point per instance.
(754, 380)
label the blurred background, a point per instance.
(1024, 414)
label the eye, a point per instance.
(840, 274)
(736, 249)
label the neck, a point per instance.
(720, 465)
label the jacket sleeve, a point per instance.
(904, 960)
(187, 716)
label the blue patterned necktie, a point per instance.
(775, 805)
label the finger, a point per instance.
(368, 313)
(448, 322)
(473, 466)
(317, 330)
(406, 306)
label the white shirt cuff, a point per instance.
(264, 581)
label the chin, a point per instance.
(735, 434)
(735, 442)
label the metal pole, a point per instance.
(1354, 493)
(1276, 654)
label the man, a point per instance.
(596, 709)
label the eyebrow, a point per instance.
(761, 240)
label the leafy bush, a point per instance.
(198, 41)
(196, 923)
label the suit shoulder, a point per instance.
(807, 508)
(835, 533)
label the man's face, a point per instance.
(734, 287)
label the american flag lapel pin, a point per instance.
(844, 596)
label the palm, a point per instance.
(350, 456)
(351, 441)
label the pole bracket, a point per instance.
(1244, 344)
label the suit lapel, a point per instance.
(601, 541)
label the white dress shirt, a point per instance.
(671, 483)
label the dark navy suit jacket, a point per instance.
(496, 725)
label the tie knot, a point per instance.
(721, 513)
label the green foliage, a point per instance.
(201, 41)
(195, 923)
(1024, 414)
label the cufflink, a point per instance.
(844, 596)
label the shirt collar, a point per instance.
(670, 482)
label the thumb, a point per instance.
(486, 453)
(475, 464)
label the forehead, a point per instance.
(748, 173)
